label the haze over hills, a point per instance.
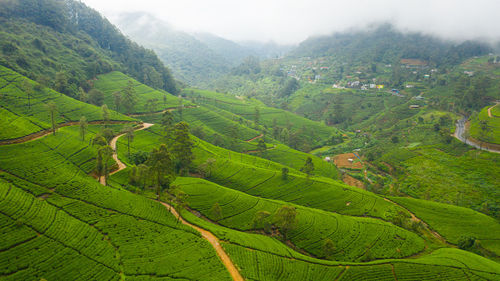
(195, 58)
(367, 155)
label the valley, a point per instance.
(362, 155)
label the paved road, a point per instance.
(459, 134)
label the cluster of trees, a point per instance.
(284, 220)
(173, 157)
(471, 93)
(98, 45)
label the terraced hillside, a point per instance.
(303, 134)
(24, 107)
(486, 125)
(147, 99)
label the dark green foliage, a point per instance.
(466, 242)
(308, 166)
(95, 45)
(284, 173)
(182, 147)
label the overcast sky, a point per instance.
(291, 21)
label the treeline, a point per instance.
(386, 45)
(91, 40)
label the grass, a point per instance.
(492, 134)
(112, 232)
(453, 222)
(312, 132)
(353, 236)
(116, 81)
(20, 118)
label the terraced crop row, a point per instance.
(353, 237)
(22, 116)
(116, 81)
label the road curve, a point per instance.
(112, 143)
(233, 271)
(459, 134)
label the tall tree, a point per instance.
(180, 107)
(129, 134)
(261, 147)
(61, 83)
(129, 98)
(104, 155)
(83, 127)
(167, 123)
(82, 95)
(181, 147)
(308, 166)
(261, 220)
(96, 97)
(285, 219)
(162, 168)
(257, 116)
(117, 99)
(27, 88)
(51, 106)
(105, 114)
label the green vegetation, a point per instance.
(485, 128)
(23, 115)
(69, 43)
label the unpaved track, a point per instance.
(235, 274)
(41, 134)
(489, 110)
(112, 143)
(254, 138)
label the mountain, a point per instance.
(43, 37)
(385, 44)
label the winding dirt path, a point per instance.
(112, 143)
(416, 219)
(43, 133)
(235, 274)
(254, 138)
(489, 110)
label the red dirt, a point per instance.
(347, 179)
(341, 161)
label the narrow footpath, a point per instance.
(235, 274)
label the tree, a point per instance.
(27, 87)
(180, 107)
(257, 115)
(285, 219)
(51, 106)
(181, 147)
(129, 98)
(105, 114)
(216, 212)
(162, 168)
(117, 99)
(180, 199)
(261, 220)
(308, 167)
(82, 95)
(328, 248)
(96, 97)
(207, 167)
(143, 171)
(284, 173)
(395, 139)
(167, 122)
(104, 155)
(129, 134)
(261, 147)
(61, 83)
(285, 135)
(83, 127)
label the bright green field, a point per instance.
(19, 119)
(53, 211)
(492, 135)
(116, 81)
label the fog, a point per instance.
(291, 21)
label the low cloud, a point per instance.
(291, 21)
